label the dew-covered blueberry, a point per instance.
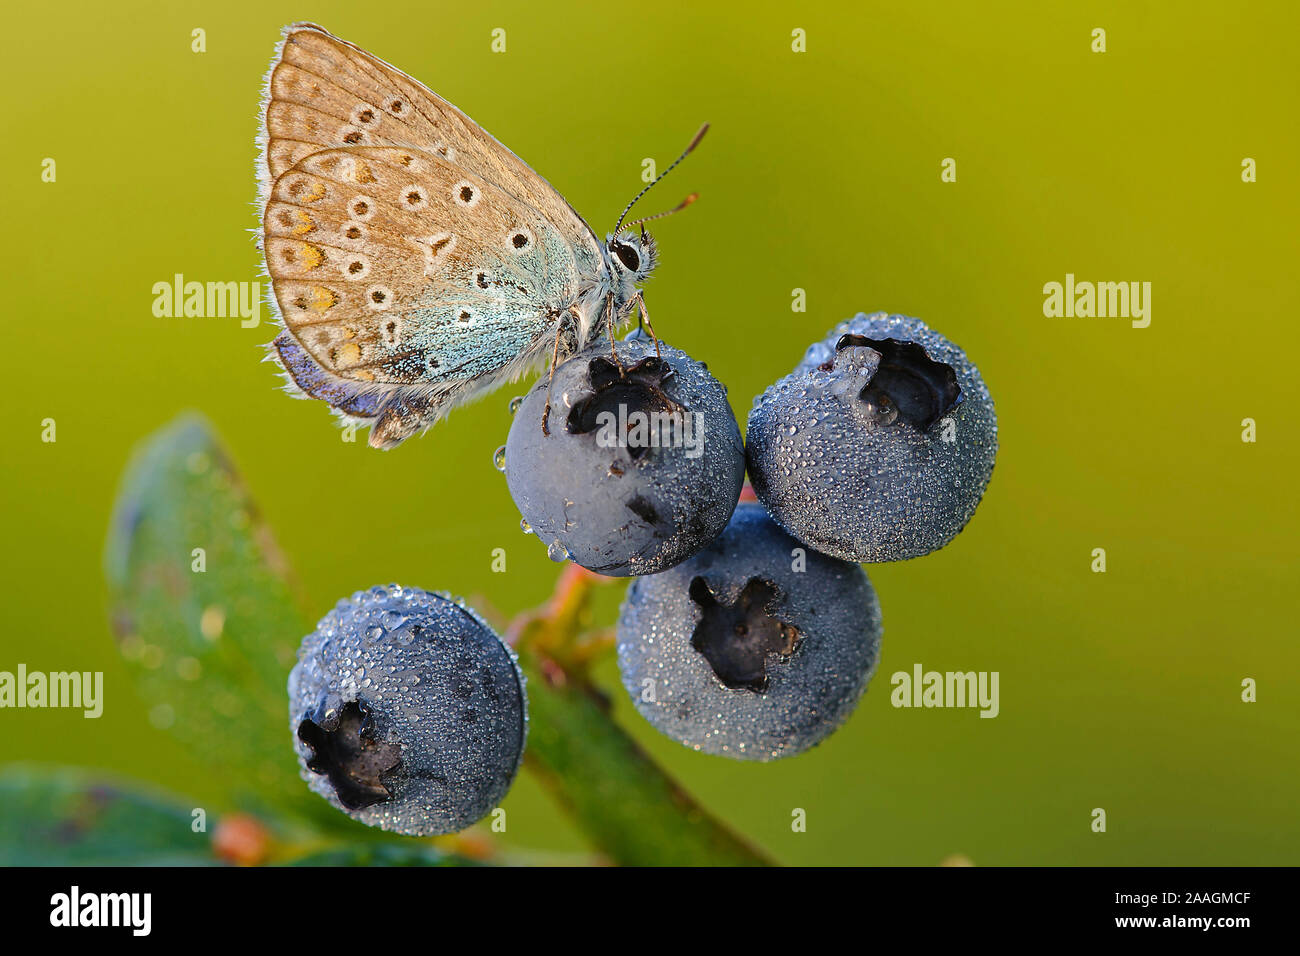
(756, 648)
(878, 447)
(639, 465)
(408, 712)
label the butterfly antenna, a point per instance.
(686, 152)
(659, 215)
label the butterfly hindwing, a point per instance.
(393, 266)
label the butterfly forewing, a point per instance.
(325, 92)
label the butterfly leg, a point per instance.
(644, 314)
(555, 358)
(609, 328)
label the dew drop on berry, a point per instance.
(817, 353)
(880, 409)
(499, 458)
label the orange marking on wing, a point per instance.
(312, 256)
(321, 299)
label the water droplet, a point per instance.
(375, 633)
(515, 403)
(879, 407)
(524, 526)
(499, 458)
(557, 552)
(817, 353)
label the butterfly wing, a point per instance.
(392, 266)
(415, 259)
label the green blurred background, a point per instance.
(822, 172)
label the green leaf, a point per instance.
(381, 854)
(203, 613)
(63, 817)
(631, 810)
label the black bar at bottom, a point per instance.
(309, 906)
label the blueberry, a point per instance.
(878, 447)
(640, 465)
(754, 648)
(408, 713)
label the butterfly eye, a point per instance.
(626, 255)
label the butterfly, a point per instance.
(416, 263)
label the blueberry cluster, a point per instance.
(758, 640)
(749, 631)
